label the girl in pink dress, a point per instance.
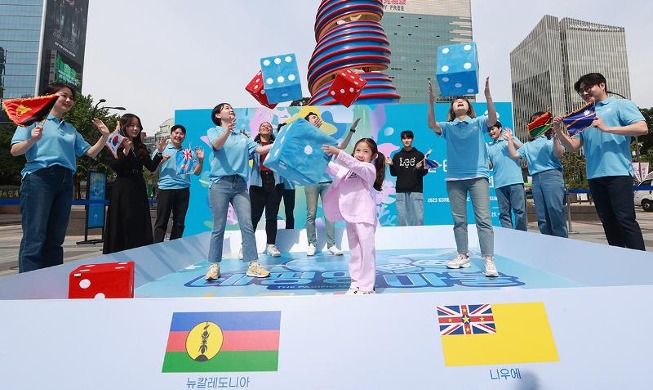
(350, 199)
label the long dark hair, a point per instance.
(379, 163)
(140, 149)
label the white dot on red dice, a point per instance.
(257, 81)
(255, 87)
(277, 60)
(351, 89)
(84, 284)
(342, 90)
(333, 93)
(99, 296)
(262, 92)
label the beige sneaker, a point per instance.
(256, 271)
(490, 268)
(214, 272)
(272, 250)
(459, 262)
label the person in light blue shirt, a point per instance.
(46, 192)
(229, 174)
(543, 157)
(174, 189)
(606, 144)
(317, 191)
(508, 181)
(468, 172)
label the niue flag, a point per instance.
(25, 111)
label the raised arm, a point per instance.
(199, 152)
(99, 145)
(491, 110)
(433, 125)
(512, 151)
(569, 143)
(350, 133)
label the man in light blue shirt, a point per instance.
(607, 150)
(508, 181)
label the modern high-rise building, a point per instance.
(415, 29)
(41, 41)
(547, 63)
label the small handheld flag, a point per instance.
(25, 111)
(580, 119)
(432, 165)
(540, 125)
(114, 141)
(185, 162)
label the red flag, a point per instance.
(25, 111)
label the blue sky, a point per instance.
(157, 56)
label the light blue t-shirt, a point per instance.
(467, 156)
(168, 177)
(60, 144)
(507, 170)
(233, 157)
(609, 154)
(540, 155)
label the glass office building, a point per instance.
(415, 29)
(41, 41)
(547, 63)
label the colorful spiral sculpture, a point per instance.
(349, 35)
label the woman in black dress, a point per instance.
(128, 223)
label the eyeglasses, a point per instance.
(585, 90)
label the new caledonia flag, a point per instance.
(487, 334)
(223, 342)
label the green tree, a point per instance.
(11, 166)
(574, 170)
(646, 141)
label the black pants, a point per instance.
(175, 201)
(613, 199)
(289, 206)
(266, 197)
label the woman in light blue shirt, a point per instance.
(468, 172)
(228, 176)
(46, 192)
(543, 156)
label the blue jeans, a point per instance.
(479, 192)
(231, 189)
(549, 195)
(312, 193)
(614, 204)
(511, 200)
(410, 208)
(45, 199)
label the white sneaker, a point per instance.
(310, 251)
(240, 253)
(272, 250)
(214, 272)
(352, 291)
(459, 262)
(366, 292)
(256, 271)
(334, 250)
(491, 269)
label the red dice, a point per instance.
(346, 87)
(255, 88)
(108, 280)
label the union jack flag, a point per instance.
(466, 319)
(185, 162)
